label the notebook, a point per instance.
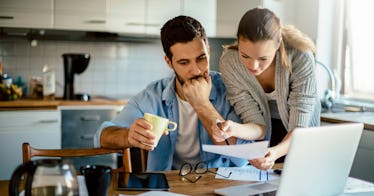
(318, 163)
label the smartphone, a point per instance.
(142, 181)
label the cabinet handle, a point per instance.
(143, 24)
(90, 118)
(6, 17)
(87, 137)
(95, 21)
(49, 121)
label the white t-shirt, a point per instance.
(187, 148)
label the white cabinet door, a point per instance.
(229, 14)
(362, 167)
(204, 12)
(80, 15)
(26, 13)
(126, 16)
(158, 12)
(41, 128)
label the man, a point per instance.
(193, 97)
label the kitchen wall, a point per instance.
(116, 69)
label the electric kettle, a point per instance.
(45, 177)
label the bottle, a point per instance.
(1, 72)
(6, 80)
(49, 83)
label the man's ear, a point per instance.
(168, 61)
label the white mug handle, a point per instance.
(174, 126)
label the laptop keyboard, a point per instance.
(271, 193)
(264, 186)
(267, 189)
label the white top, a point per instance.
(187, 146)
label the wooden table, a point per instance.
(204, 186)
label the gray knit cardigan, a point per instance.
(297, 99)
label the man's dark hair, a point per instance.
(181, 29)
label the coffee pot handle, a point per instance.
(27, 168)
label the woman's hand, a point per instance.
(221, 129)
(266, 162)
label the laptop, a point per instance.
(318, 163)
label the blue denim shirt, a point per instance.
(160, 98)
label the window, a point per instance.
(358, 70)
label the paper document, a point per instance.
(245, 151)
(247, 173)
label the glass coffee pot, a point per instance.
(45, 177)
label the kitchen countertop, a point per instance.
(340, 117)
(34, 104)
(54, 104)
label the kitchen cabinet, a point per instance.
(229, 14)
(204, 12)
(142, 17)
(79, 125)
(362, 167)
(41, 128)
(158, 12)
(85, 15)
(26, 14)
(126, 16)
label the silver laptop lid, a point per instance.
(318, 163)
(319, 159)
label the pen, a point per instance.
(219, 124)
(267, 175)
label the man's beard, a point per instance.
(181, 81)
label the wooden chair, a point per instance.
(28, 152)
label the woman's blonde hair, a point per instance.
(261, 24)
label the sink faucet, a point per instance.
(332, 93)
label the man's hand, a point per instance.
(140, 134)
(197, 90)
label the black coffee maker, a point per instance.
(74, 63)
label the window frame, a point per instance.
(348, 90)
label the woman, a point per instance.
(270, 78)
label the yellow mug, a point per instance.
(159, 125)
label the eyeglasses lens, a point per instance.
(201, 168)
(185, 169)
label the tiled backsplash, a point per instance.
(116, 69)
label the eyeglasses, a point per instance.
(199, 168)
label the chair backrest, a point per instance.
(28, 152)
